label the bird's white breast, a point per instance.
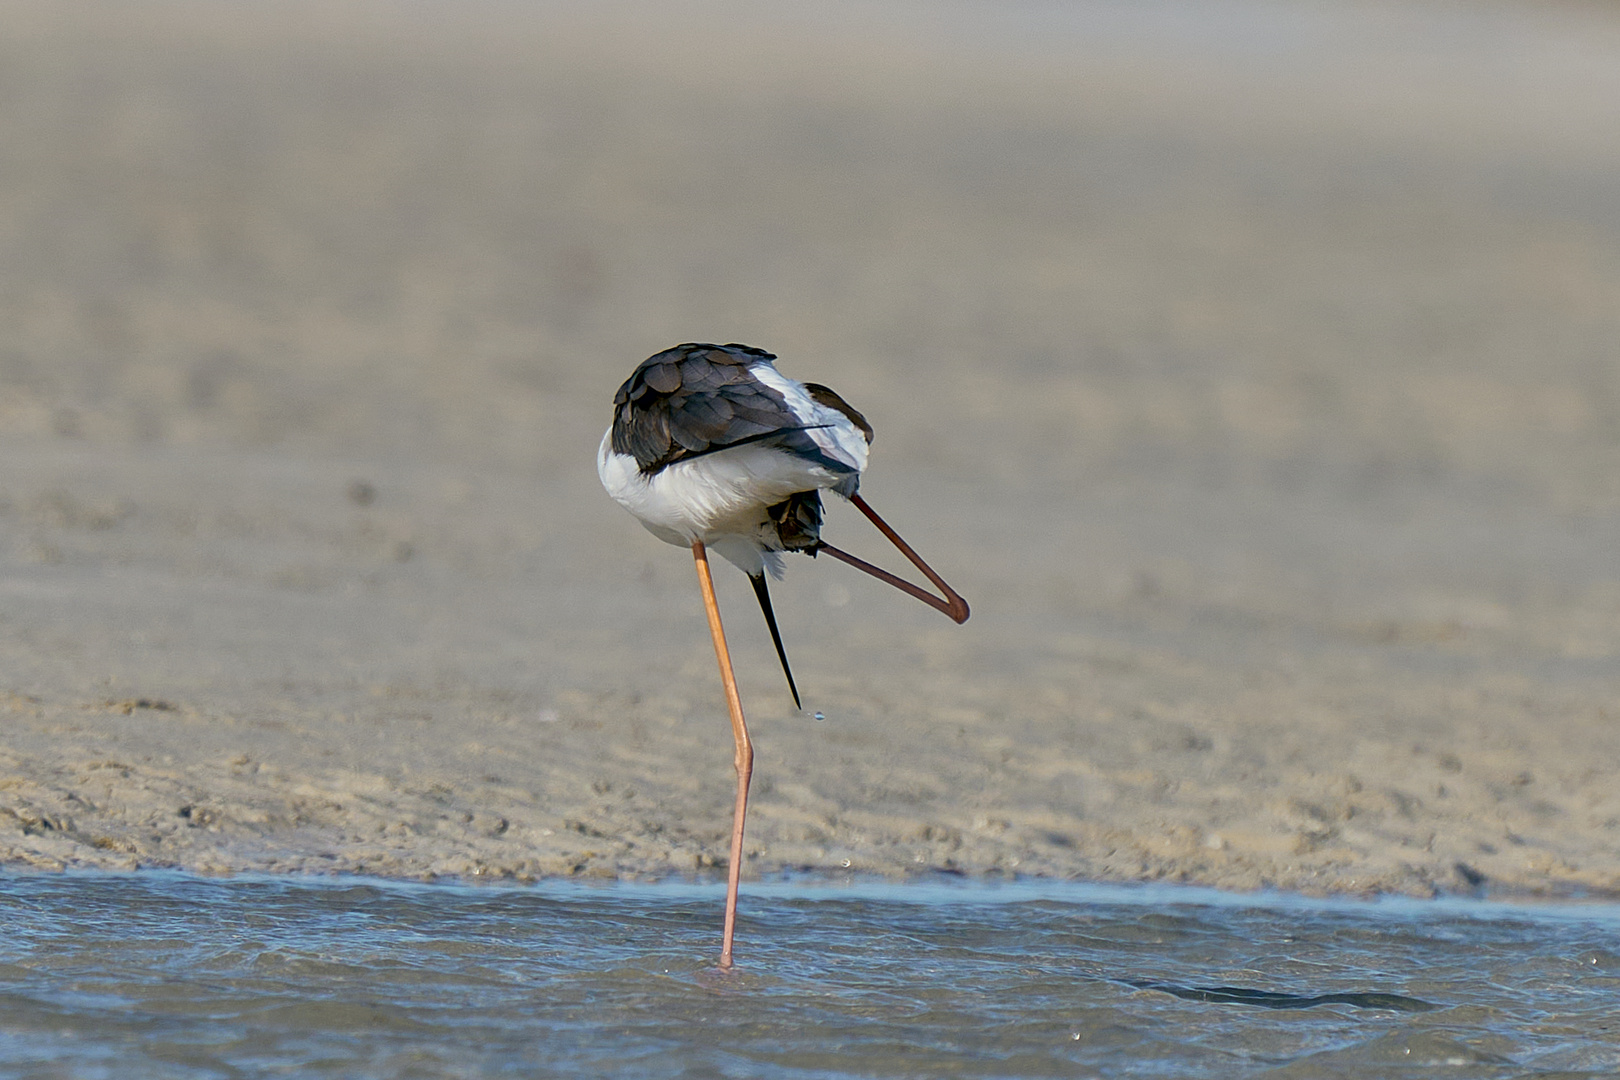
(706, 498)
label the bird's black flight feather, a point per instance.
(698, 398)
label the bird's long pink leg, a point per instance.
(953, 604)
(745, 748)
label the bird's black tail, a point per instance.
(776, 636)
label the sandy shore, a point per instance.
(1251, 370)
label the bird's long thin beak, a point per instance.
(764, 594)
(953, 604)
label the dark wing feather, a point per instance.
(697, 398)
(664, 378)
(824, 395)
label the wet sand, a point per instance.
(1251, 370)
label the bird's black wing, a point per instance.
(697, 398)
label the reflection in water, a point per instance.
(157, 974)
(1270, 999)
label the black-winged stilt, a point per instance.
(712, 447)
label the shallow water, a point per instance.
(157, 974)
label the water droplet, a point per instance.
(821, 716)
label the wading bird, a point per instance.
(712, 447)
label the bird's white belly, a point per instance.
(709, 498)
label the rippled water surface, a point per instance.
(156, 974)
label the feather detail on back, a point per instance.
(697, 398)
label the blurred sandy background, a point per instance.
(1252, 368)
